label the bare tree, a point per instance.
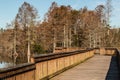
(109, 9)
(26, 18)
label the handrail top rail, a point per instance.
(60, 53)
(17, 67)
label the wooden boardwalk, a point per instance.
(96, 68)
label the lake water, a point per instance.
(4, 65)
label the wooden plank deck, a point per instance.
(96, 68)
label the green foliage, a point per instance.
(75, 41)
(37, 49)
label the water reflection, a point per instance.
(5, 62)
(5, 65)
(8, 61)
(2, 65)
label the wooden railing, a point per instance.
(50, 65)
(107, 51)
(20, 72)
(46, 66)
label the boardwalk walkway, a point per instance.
(96, 68)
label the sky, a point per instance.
(9, 8)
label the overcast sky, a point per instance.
(9, 8)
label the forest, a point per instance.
(62, 27)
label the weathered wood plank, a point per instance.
(95, 68)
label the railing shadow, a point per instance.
(113, 72)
